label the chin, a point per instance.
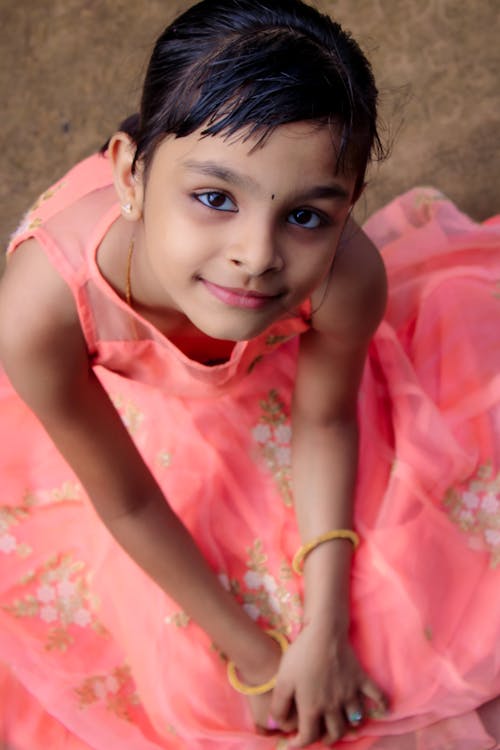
(228, 332)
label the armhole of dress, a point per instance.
(74, 281)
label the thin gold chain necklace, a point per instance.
(128, 283)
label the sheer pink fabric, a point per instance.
(96, 656)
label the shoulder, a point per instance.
(63, 206)
(41, 343)
(33, 291)
(351, 304)
(346, 311)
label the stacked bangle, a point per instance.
(265, 687)
(302, 552)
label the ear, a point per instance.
(129, 185)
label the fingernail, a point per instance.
(271, 724)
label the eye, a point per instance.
(304, 217)
(218, 201)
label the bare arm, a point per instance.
(44, 354)
(325, 447)
(331, 362)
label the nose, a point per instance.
(256, 252)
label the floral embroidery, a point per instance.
(253, 363)
(179, 619)
(35, 223)
(263, 595)
(61, 598)
(13, 515)
(275, 339)
(131, 415)
(475, 508)
(164, 459)
(67, 491)
(116, 691)
(273, 435)
(46, 196)
(29, 221)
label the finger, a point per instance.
(261, 730)
(309, 732)
(270, 727)
(379, 701)
(291, 723)
(271, 724)
(283, 709)
(354, 712)
(335, 728)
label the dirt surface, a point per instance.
(70, 70)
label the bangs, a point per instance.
(261, 80)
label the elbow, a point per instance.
(326, 412)
(344, 418)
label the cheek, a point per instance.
(174, 239)
(313, 268)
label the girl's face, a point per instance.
(234, 237)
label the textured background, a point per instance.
(70, 70)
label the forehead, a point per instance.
(294, 155)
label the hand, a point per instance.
(321, 679)
(255, 671)
(260, 706)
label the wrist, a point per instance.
(258, 681)
(260, 662)
(328, 615)
(328, 628)
(327, 584)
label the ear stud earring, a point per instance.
(127, 208)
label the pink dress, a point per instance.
(94, 655)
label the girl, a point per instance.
(151, 313)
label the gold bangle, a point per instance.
(265, 687)
(302, 552)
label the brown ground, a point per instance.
(71, 69)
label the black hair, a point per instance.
(249, 66)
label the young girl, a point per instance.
(171, 578)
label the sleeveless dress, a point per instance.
(94, 655)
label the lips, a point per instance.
(237, 297)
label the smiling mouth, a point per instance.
(236, 297)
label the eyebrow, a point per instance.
(326, 191)
(212, 169)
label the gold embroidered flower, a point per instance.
(58, 595)
(130, 413)
(475, 508)
(273, 436)
(115, 690)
